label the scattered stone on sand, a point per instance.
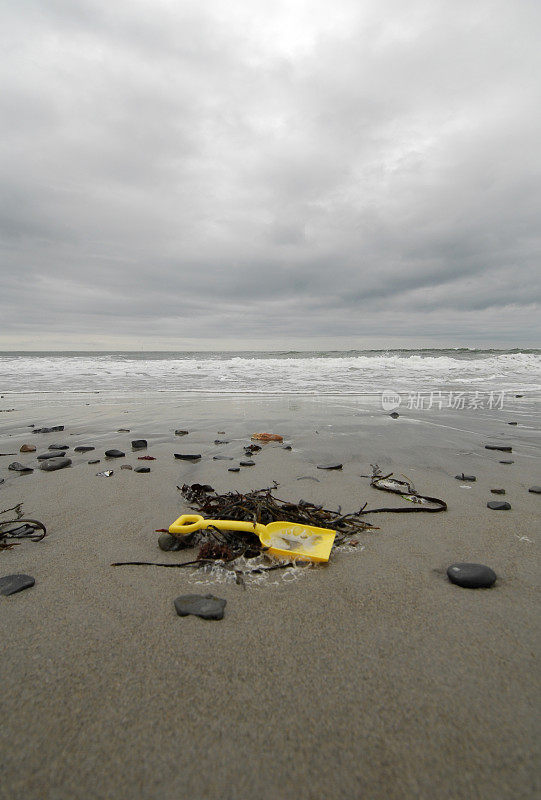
(2, 480)
(55, 463)
(512, 423)
(59, 447)
(16, 466)
(83, 448)
(123, 430)
(49, 430)
(287, 447)
(146, 458)
(519, 395)
(463, 477)
(499, 505)
(471, 576)
(221, 441)
(394, 414)
(180, 432)
(233, 469)
(308, 478)
(267, 437)
(498, 491)
(114, 454)
(50, 454)
(106, 474)
(249, 463)
(535, 489)
(10, 584)
(142, 469)
(188, 456)
(329, 466)
(503, 448)
(139, 444)
(126, 466)
(220, 433)
(27, 448)
(222, 458)
(94, 461)
(167, 542)
(205, 606)
(507, 462)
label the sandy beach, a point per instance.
(370, 677)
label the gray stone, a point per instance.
(233, 469)
(17, 467)
(498, 491)
(507, 462)
(180, 432)
(188, 456)
(394, 415)
(221, 441)
(247, 463)
(329, 466)
(126, 466)
(55, 463)
(83, 448)
(94, 461)
(499, 505)
(114, 454)
(503, 448)
(222, 458)
(10, 584)
(167, 542)
(49, 430)
(535, 489)
(50, 454)
(287, 447)
(139, 444)
(59, 447)
(471, 576)
(463, 477)
(142, 469)
(205, 606)
(512, 423)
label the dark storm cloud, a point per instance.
(191, 174)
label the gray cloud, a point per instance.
(206, 175)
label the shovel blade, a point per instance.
(295, 540)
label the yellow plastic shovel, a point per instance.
(283, 539)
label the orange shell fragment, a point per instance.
(268, 437)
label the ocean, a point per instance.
(353, 372)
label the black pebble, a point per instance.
(507, 462)
(394, 415)
(142, 469)
(59, 447)
(498, 491)
(287, 447)
(16, 466)
(188, 457)
(233, 469)
(535, 489)
(55, 463)
(247, 463)
(471, 576)
(114, 454)
(205, 606)
(329, 466)
(50, 454)
(139, 444)
(498, 505)
(94, 461)
(49, 430)
(512, 423)
(181, 433)
(10, 584)
(503, 448)
(83, 449)
(463, 477)
(221, 441)
(222, 458)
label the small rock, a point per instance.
(463, 477)
(55, 463)
(507, 462)
(519, 395)
(167, 542)
(50, 454)
(512, 423)
(498, 505)
(125, 466)
(535, 489)
(27, 448)
(222, 458)
(10, 584)
(139, 444)
(142, 469)
(188, 456)
(146, 458)
(498, 491)
(83, 448)
(181, 433)
(329, 466)
(123, 430)
(220, 432)
(205, 606)
(221, 441)
(394, 415)
(233, 469)
(59, 447)
(114, 454)
(94, 461)
(503, 448)
(17, 467)
(54, 429)
(247, 463)
(471, 576)
(287, 447)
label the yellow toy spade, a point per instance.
(283, 539)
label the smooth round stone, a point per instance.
(507, 462)
(498, 491)
(247, 463)
(233, 469)
(167, 542)
(16, 466)
(54, 464)
(94, 461)
(498, 505)
(83, 448)
(205, 606)
(501, 447)
(535, 489)
(50, 454)
(512, 423)
(139, 444)
(114, 454)
(142, 469)
(59, 447)
(180, 432)
(221, 441)
(329, 466)
(471, 576)
(222, 458)
(463, 477)
(10, 584)
(394, 415)
(287, 447)
(28, 448)
(188, 456)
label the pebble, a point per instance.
(188, 456)
(83, 448)
(139, 444)
(123, 430)
(94, 461)
(503, 448)
(27, 448)
(114, 454)
(17, 467)
(59, 447)
(55, 463)
(507, 462)
(233, 469)
(247, 463)
(221, 441)
(220, 432)
(205, 606)
(142, 469)
(535, 489)
(10, 584)
(329, 466)
(512, 423)
(167, 542)
(498, 491)
(222, 458)
(287, 447)
(179, 432)
(463, 477)
(394, 415)
(125, 466)
(49, 430)
(471, 576)
(498, 505)
(50, 454)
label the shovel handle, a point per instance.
(194, 522)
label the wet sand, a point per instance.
(371, 677)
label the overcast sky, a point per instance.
(248, 174)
